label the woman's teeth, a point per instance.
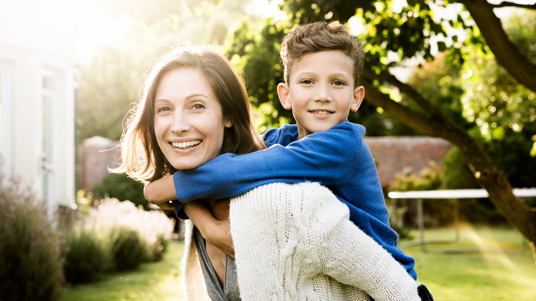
(185, 144)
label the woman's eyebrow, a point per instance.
(187, 97)
(198, 95)
(161, 100)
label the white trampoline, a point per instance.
(453, 195)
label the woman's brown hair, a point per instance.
(142, 158)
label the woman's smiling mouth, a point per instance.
(184, 145)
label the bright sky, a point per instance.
(265, 8)
(94, 27)
(97, 28)
(56, 24)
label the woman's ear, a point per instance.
(283, 91)
(359, 95)
(228, 123)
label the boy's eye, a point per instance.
(339, 83)
(306, 82)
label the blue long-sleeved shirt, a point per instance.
(337, 158)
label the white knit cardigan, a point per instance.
(296, 242)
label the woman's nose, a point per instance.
(180, 123)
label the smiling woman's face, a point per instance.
(188, 121)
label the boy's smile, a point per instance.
(320, 91)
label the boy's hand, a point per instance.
(220, 236)
(215, 232)
(166, 206)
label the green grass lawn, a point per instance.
(151, 282)
(476, 276)
(469, 276)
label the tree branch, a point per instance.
(506, 53)
(404, 88)
(513, 4)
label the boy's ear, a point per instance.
(359, 95)
(283, 91)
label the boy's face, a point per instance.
(321, 91)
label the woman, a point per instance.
(292, 242)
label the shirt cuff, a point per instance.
(178, 210)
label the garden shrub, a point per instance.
(129, 249)
(113, 217)
(113, 236)
(30, 265)
(457, 175)
(86, 255)
(456, 172)
(512, 155)
(159, 248)
(123, 188)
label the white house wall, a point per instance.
(27, 57)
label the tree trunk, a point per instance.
(489, 177)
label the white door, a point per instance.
(49, 99)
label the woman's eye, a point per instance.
(163, 109)
(198, 106)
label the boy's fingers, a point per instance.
(166, 206)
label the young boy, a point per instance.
(323, 63)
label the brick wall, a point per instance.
(394, 154)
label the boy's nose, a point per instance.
(180, 123)
(322, 94)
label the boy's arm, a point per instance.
(325, 157)
(160, 192)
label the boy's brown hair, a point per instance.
(321, 36)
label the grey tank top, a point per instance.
(230, 291)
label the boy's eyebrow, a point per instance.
(340, 74)
(305, 73)
(334, 74)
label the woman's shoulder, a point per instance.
(301, 200)
(280, 189)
